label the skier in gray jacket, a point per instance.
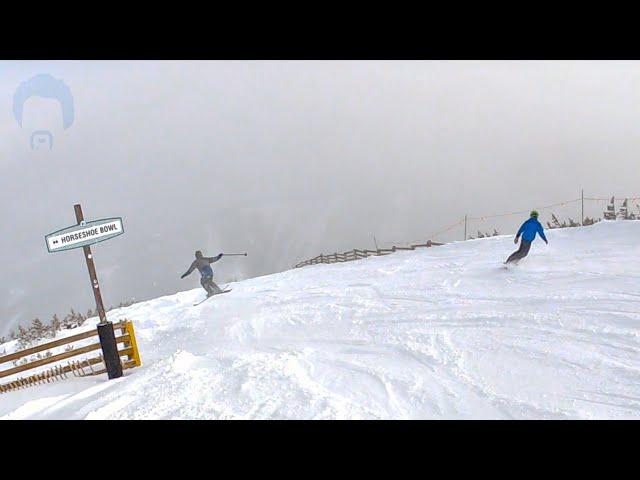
(203, 264)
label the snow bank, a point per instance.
(444, 332)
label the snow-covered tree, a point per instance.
(73, 320)
(484, 235)
(56, 324)
(610, 213)
(624, 213)
(554, 223)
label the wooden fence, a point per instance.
(60, 371)
(356, 254)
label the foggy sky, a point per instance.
(289, 159)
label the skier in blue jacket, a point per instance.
(528, 231)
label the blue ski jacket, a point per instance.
(529, 229)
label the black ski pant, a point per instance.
(520, 253)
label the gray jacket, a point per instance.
(202, 264)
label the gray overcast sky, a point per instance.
(287, 159)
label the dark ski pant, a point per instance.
(520, 253)
(209, 285)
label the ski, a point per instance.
(209, 296)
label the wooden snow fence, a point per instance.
(60, 365)
(356, 254)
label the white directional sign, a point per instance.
(87, 233)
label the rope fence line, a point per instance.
(357, 254)
(447, 229)
(522, 212)
(598, 199)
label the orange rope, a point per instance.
(521, 212)
(609, 199)
(446, 229)
(546, 207)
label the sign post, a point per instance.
(84, 234)
(92, 269)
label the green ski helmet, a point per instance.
(534, 213)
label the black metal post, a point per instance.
(110, 350)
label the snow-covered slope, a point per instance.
(443, 332)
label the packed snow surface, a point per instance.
(443, 332)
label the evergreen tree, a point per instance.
(624, 213)
(24, 337)
(610, 214)
(38, 330)
(56, 325)
(72, 320)
(554, 222)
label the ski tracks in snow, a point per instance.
(435, 333)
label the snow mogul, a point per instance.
(203, 264)
(528, 231)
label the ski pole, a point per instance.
(234, 254)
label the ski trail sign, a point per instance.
(86, 233)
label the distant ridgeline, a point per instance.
(38, 330)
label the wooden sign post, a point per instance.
(84, 234)
(92, 269)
